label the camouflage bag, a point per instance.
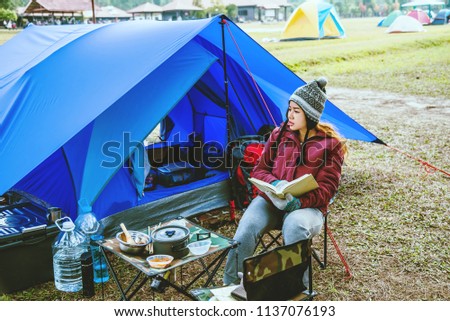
(276, 275)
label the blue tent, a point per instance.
(442, 17)
(69, 94)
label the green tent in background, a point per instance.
(391, 17)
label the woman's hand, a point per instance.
(276, 201)
(289, 204)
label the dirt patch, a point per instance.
(348, 99)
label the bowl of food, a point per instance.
(136, 245)
(199, 247)
(159, 261)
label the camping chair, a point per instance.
(276, 274)
(275, 238)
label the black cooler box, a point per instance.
(25, 246)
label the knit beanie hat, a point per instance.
(311, 98)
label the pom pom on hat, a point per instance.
(322, 82)
(311, 98)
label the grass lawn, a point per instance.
(368, 58)
(5, 35)
(391, 217)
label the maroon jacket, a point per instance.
(324, 158)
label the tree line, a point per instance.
(345, 8)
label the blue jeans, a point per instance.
(260, 217)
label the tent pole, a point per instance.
(225, 79)
(93, 12)
(227, 108)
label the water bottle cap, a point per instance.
(68, 225)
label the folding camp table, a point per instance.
(220, 246)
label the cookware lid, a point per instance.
(170, 233)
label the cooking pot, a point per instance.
(171, 240)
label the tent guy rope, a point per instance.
(429, 168)
(249, 71)
(341, 256)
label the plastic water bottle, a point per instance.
(101, 273)
(88, 224)
(93, 229)
(67, 250)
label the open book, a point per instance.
(297, 187)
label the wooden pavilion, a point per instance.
(147, 11)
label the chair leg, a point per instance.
(317, 258)
(260, 241)
(325, 243)
(311, 292)
(275, 239)
(310, 277)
